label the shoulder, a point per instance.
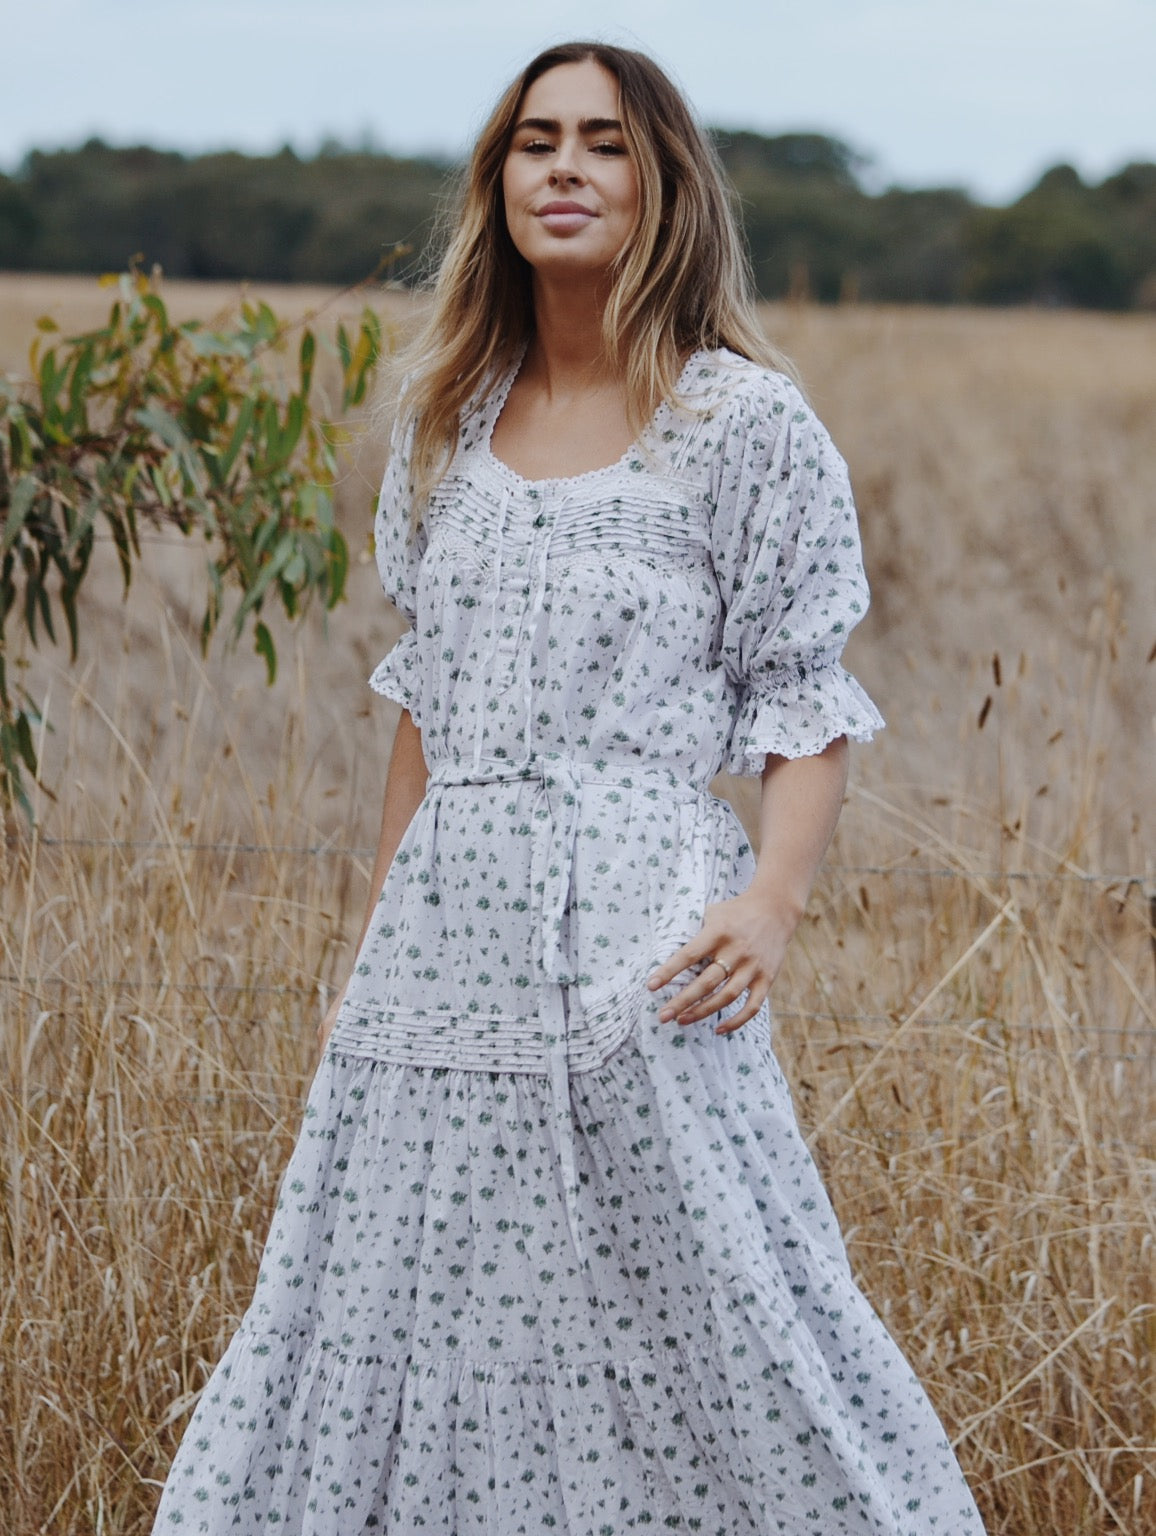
(733, 406)
(474, 417)
(744, 422)
(483, 407)
(721, 383)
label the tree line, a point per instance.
(815, 229)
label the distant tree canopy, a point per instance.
(1067, 243)
(813, 227)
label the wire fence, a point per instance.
(1145, 880)
(194, 997)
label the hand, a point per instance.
(325, 1028)
(749, 935)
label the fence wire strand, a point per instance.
(194, 998)
(1143, 880)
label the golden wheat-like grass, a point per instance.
(967, 1014)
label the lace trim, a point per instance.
(797, 714)
(398, 675)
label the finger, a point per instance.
(712, 1005)
(746, 1013)
(709, 981)
(691, 953)
(748, 987)
(706, 1002)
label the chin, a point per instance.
(561, 260)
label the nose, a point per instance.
(564, 171)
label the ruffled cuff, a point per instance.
(796, 713)
(398, 677)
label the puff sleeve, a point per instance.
(399, 551)
(786, 552)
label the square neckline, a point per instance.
(634, 449)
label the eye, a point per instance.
(609, 147)
(536, 147)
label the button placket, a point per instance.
(544, 523)
(527, 540)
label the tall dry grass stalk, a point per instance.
(967, 1014)
(160, 987)
(974, 1054)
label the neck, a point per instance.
(567, 351)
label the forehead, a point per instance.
(572, 91)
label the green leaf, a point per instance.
(123, 541)
(294, 422)
(274, 566)
(266, 533)
(48, 375)
(25, 443)
(32, 579)
(45, 610)
(266, 437)
(78, 388)
(210, 344)
(11, 776)
(240, 433)
(156, 307)
(212, 604)
(24, 743)
(263, 645)
(361, 361)
(165, 426)
(198, 392)
(161, 486)
(19, 504)
(338, 569)
(68, 603)
(308, 353)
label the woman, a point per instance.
(550, 1255)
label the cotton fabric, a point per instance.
(540, 1263)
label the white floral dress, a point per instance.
(540, 1263)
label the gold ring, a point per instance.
(725, 968)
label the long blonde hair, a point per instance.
(682, 282)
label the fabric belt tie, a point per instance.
(559, 780)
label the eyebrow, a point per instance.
(585, 125)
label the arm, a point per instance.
(749, 934)
(404, 787)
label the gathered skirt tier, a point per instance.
(481, 1310)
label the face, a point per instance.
(569, 184)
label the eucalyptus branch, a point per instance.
(181, 426)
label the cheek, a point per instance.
(521, 173)
(519, 185)
(630, 197)
(510, 202)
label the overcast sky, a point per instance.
(977, 93)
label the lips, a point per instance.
(565, 217)
(566, 208)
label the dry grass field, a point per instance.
(968, 1016)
